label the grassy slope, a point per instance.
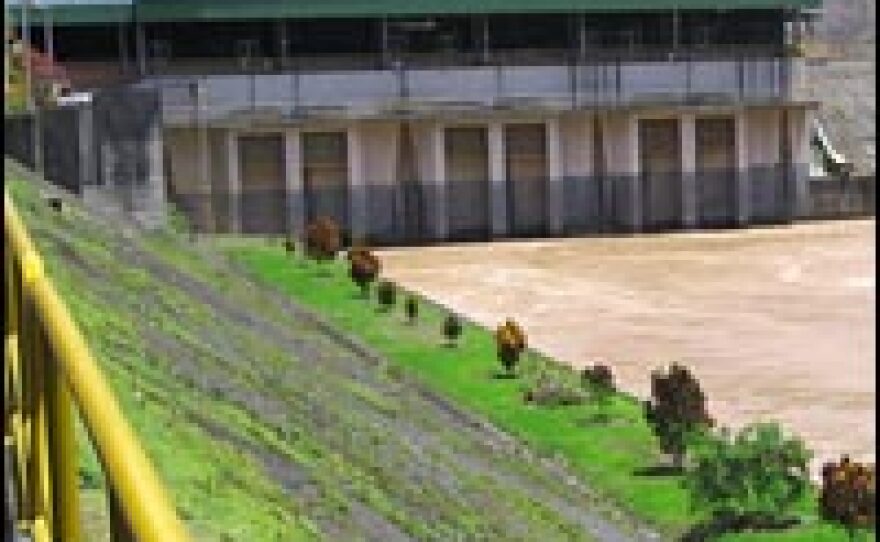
(221, 493)
(605, 456)
(373, 451)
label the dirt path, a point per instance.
(776, 323)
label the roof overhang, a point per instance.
(110, 11)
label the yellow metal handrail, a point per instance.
(49, 369)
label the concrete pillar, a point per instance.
(155, 199)
(356, 184)
(204, 164)
(86, 140)
(555, 207)
(140, 46)
(234, 177)
(438, 181)
(743, 184)
(631, 170)
(800, 122)
(497, 180)
(293, 184)
(688, 171)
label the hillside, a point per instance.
(267, 425)
(846, 86)
(279, 404)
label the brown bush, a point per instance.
(364, 269)
(387, 294)
(412, 309)
(676, 411)
(511, 341)
(323, 239)
(849, 495)
(451, 329)
(598, 376)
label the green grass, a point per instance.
(219, 492)
(605, 456)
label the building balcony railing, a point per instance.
(382, 92)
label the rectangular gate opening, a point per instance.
(263, 194)
(716, 171)
(467, 167)
(660, 167)
(526, 174)
(325, 177)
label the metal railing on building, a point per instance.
(48, 371)
(606, 82)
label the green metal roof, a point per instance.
(76, 14)
(171, 10)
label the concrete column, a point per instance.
(799, 128)
(86, 140)
(140, 46)
(555, 207)
(438, 181)
(497, 180)
(356, 184)
(743, 184)
(631, 169)
(154, 209)
(688, 171)
(234, 177)
(204, 164)
(293, 184)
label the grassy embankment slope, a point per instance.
(265, 427)
(606, 456)
(222, 494)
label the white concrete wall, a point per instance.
(430, 155)
(799, 126)
(293, 183)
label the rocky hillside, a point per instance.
(845, 86)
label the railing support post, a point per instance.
(41, 475)
(63, 456)
(120, 530)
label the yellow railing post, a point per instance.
(138, 497)
(40, 473)
(62, 457)
(28, 408)
(120, 530)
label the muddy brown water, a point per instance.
(777, 323)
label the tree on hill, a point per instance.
(676, 411)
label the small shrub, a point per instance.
(599, 380)
(289, 245)
(412, 309)
(549, 392)
(754, 478)
(323, 239)
(451, 329)
(677, 411)
(386, 294)
(598, 377)
(364, 268)
(55, 203)
(849, 495)
(511, 341)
